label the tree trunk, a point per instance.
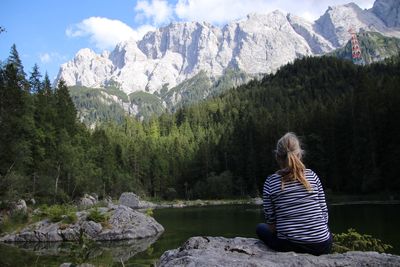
(56, 185)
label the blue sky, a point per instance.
(50, 32)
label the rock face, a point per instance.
(219, 251)
(261, 43)
(258, 44)
(388, 11)
(123, 224)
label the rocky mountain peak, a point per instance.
(388, 11)
(337, 20)
(257, 44)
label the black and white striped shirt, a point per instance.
(299, 215)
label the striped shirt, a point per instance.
(299, 215)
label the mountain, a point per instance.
(388, 11)
(163, 69)
(179, 51)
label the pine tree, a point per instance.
(35, 80)
(15, 60)
(66, 111)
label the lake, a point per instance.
(380, 220)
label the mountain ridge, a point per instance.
(256, 45)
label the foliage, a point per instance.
(352, 240)
(57, 213)
(374, 47)
(97, 216)
(15, 220)
(149, 212)
(148, 104)
(346, 115)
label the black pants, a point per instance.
(271, 240)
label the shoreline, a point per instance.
(258, 202)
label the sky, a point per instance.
(49, 32)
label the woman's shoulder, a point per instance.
(311, 175)
(310, 172)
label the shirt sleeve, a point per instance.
(268, 205)
(321, 199)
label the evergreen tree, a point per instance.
(35, 82)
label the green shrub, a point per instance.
(352, 240)
(149, 212)
(97, 216)
(57, 213)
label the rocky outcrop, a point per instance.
(219, 251)
(88, 200)
(123, 223)
(388, 11)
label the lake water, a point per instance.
(380, 220)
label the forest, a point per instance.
(346, 115)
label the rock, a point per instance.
(91, 228)
(123, 224)
(108, 200)
(388, 11)
(129, 199)
(126, 223)
(32, 201)
(143, 204)
(220, 251)
(19, 206)
(88, 201)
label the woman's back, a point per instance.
(300, 215)
(294, 204)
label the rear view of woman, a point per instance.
(294, 204)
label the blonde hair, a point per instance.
(289, 154)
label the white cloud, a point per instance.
(105, 33)
(45, 58)
(156, 11)
(49, 57)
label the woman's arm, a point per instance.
(321, 198)
(268, 205)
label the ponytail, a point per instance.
(288, 154)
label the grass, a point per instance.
(14, 222)
(57, 213)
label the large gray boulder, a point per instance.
(129, 199)
(123, 224)
(219, 251)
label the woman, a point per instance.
(294, 204)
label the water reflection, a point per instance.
(87, 251)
